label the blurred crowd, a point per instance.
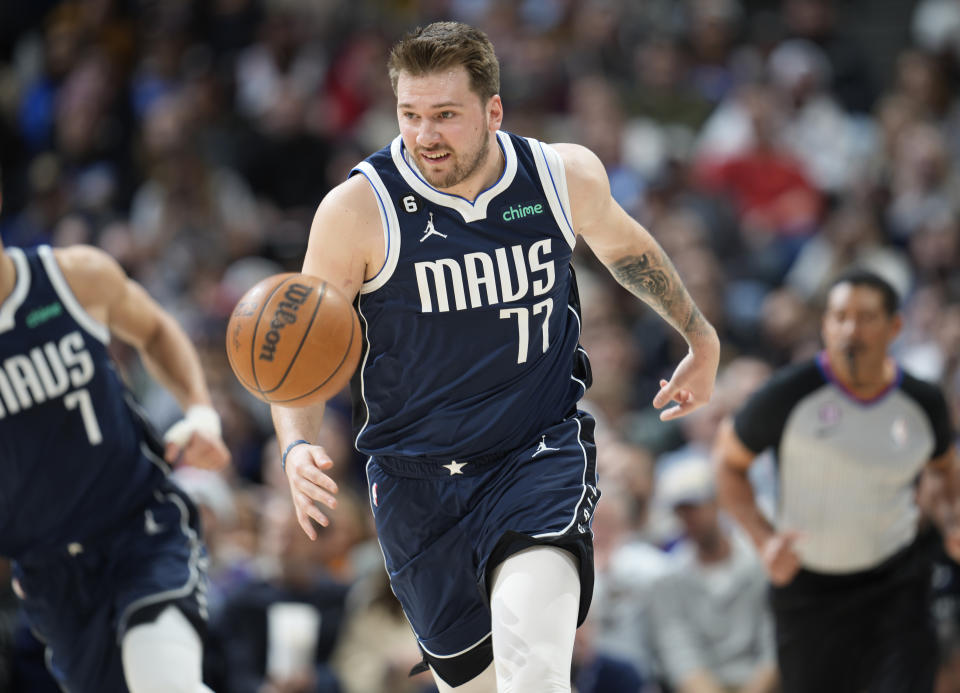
(764, 144)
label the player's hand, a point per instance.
(779, 558)
(196, 440)
(202, 450)
(309, 485)
(691, 384)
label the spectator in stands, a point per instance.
(709, 613)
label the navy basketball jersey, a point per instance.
(472, 324)
(73, 454)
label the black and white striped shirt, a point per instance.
(847, 466)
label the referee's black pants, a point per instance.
(864, 632)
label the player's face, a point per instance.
(446, 127)
(856, 326)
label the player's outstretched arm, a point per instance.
(345, 247)
(109, 296)
(641, 266)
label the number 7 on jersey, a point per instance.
(81, 399)
(523, 326)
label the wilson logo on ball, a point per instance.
(285, 314)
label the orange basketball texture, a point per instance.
(293, 340)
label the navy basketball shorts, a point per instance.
(81, 599)
(445, 525)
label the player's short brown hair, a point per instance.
(443, 45)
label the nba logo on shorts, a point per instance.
(373, 494)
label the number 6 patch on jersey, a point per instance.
(410, 203)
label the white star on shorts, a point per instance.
(455, 467)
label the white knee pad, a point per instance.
(534, 605)
(163, 656)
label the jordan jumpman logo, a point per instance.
(542, 447)
(431, 230)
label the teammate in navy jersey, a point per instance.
(108, 562)
(847, 556)
(456, 241)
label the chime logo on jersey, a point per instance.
(44, 373)
(43, 314)
(485, 279)
(521, 211)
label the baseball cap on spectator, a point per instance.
(796, 61)
(687, 481)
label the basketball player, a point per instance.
(108, 563)
(456, 241)
(852, 433)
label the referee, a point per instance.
(852, 434)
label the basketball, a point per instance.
(293, 340)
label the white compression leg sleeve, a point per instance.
(534, 604)
(164, 656)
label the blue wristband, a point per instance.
(283, 458)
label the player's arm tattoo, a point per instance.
(654, 279)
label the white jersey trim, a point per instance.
(470, 211)
(579, 348)
(363, 368)
(20, 289)
(70, 302)
(391, 228)
(553, 178)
